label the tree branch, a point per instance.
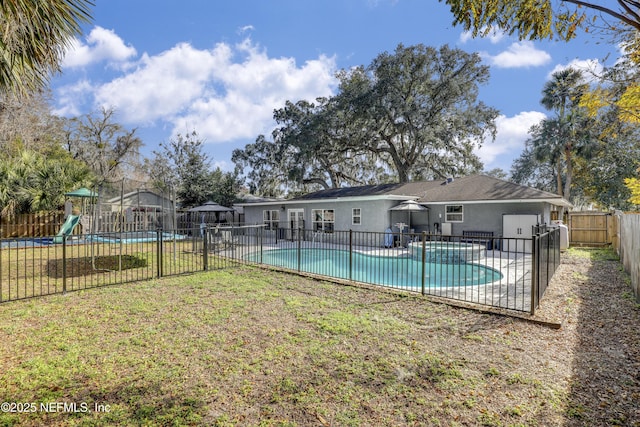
(620, 16)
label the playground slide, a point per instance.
(67, 228)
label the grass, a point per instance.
(251, 347)
(27, 272)
(594, 254)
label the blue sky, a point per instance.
(221, 67)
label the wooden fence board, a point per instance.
(590, 228)
(40, 224)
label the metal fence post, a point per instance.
(261, 232)
(159, 249)
(424, 258)
(205, 249)
(350, 254)
(534, 272)
(64, 265)
(299, 245)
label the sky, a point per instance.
(220, 68)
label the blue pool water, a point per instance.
(133, 237)
(26, 243)
(128, 237)
(390, 271)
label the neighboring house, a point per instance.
(140, 200)
(137, 210)
(472, 203)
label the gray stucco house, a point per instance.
(476, 202)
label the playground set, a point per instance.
(135, 215)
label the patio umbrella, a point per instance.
(409, 206)
(210, 207)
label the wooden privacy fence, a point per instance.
(627, 245)
(591, 228)
(46, 224)
(31, 225)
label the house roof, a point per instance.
(469, 189)
(136, 193)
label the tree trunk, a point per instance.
(567, 184)
(559, 176)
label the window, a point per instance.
(356, 216)
(453, 213)
(323, 220)
(271, 219)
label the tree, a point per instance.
(307, 152)
(185, 167)
(496, 173)
(528, 170)
(569, 133)
(31, 181)
(35, 35)
(410, 115)
(539, 19)
(26, 123)
(104, 145)
(417, 111)
(633, 184)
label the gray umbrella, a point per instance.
(211, 207)
(409, 206)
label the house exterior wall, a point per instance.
(487, 217)
(143, 198)
(374, 214)
(376, 217)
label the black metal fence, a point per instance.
(492, 271)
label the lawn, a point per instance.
(253, 347)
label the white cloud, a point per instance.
(510, 139)
(245, 29)
(163, 85)
(519, 55)
(226, 93)
(494, 36)
(591, 68)
(102, 45)
(71, 97)
(252, 90)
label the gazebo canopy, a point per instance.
(81, 192)
(211, 207)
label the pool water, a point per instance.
(381, 270)
(132, 237)
(26, 243)
(127, 237)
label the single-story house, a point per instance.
(141, 200)
(471, 203)
(138, 210)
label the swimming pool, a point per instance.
(126, 237)
(448, 252)
(132, 237)
(405, 272)
(26, 243)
